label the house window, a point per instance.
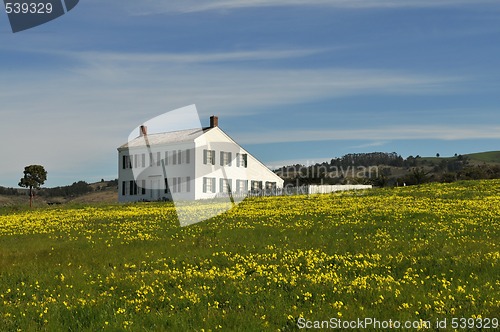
(136, 160)
(143, 160)
(206, 186)
(188, 183)
(188, 156)
(143, 187)
(131, 188)
(174, 158)
(270, 185)
(225, 158)
(167, 156)
(158, 159)
(151, 161)
(167, 187)
(256, 185)
(209, 185)
(176, 185)
(124, 162)
(179, 157)
(225, 185)
(241, 159)
(241, 186)
(209, 157)
(124, 187)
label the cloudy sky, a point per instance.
(290, 80)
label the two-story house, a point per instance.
(189, 164)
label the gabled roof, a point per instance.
(187, 135)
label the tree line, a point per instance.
(34, 176)
(388, 169)
(76, 189)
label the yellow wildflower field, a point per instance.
(425, 253)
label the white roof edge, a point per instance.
(183, 138)
(257, 160)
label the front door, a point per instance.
(155, 189)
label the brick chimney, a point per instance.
(143, 130)
(214, 121)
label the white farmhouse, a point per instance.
(189, 164)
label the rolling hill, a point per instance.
(489, 157)
(485, 157)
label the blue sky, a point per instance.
(290, 80)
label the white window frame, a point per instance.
(225, 158)
(208, 185)
(225, 185)
(209, 157)
(241, 186)
(257, 183)
(242, 160)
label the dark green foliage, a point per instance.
(34, 177)
(390, 169)
(76, 189)
(8, 191)
(368, 159)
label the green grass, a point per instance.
(487, 157)
(427, 252)
(480, 157)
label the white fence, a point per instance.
(300, 190)
(326, 189)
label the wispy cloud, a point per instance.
(196, 58)
(369, 145)
(396, 132)
(157, 6)
(163, 81)
(122, 83)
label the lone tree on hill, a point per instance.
(34, 177)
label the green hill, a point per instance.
(79, 192)
(492, 157)
(485, 157)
